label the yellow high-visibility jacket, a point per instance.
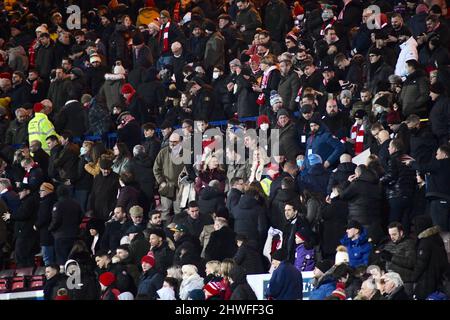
(40, 128)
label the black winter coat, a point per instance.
(344, 170)
(403, 258)
(234, 195)
(25, 217)
(399, 179)
(288, 139)
(440, 117)
(423, 145)
(250, 258)
(250, 219)
(163, 256)
(334, 223)
(221, 245)
(102, 199)
(210, 200)
(364, 197)
(141, 166)
(66, 218)
(114, 231)
(130, 134)
(44, 218)
(245, 98)
(437, 182)
(431, 262)
(240, 287)
(72, 117)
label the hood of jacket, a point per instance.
(422, 223)
(429, 232)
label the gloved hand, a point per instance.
(386, 255)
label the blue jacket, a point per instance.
(12, 200)
(324, 144)
(324, 290)
(286, 283)
(358, 250)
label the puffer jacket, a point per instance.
(358, 250)
(111, 90)
(364, 198)
(414, 94)
(403, 258)
(250, 219)
(344, 170)
(399, 179)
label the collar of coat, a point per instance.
(428, 232)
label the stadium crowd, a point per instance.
(92, 118)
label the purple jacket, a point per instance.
(304, 258)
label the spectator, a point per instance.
(40, 127)
(66, 219)
(357, 244)
(24, 218)
(321, 142)
(431, 258)
(286, 280)
(166, 174)
(399, 255)
(393, 287)
(44, 218)
(104, 191)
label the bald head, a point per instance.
(345, 158)
(383, 136)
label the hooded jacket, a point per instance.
(431, 258)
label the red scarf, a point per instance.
(327, 26)
(265, 80)
(165, 35)
(32, 54)
(27, 174)
(357, 133)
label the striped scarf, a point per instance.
(165, 34)
(357, 133)
(265, 80)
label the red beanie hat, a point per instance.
(38, 107)
(64, 297)
(214, 288)
(127, 88)
(262, 119)
(298, 234)
(5, 75)
(298, 9)
(148, 259)
(107, 278)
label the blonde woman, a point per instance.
(191, 281)
(225, 268)
(260, 159)
(212, 271)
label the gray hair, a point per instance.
(138, 149)
(394, 277)
(20, 110)
(175, 272)
(5, 182)
(214, 184)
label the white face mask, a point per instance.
(264, 126)
(83, 151)
(378, 109)
(216, 75)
